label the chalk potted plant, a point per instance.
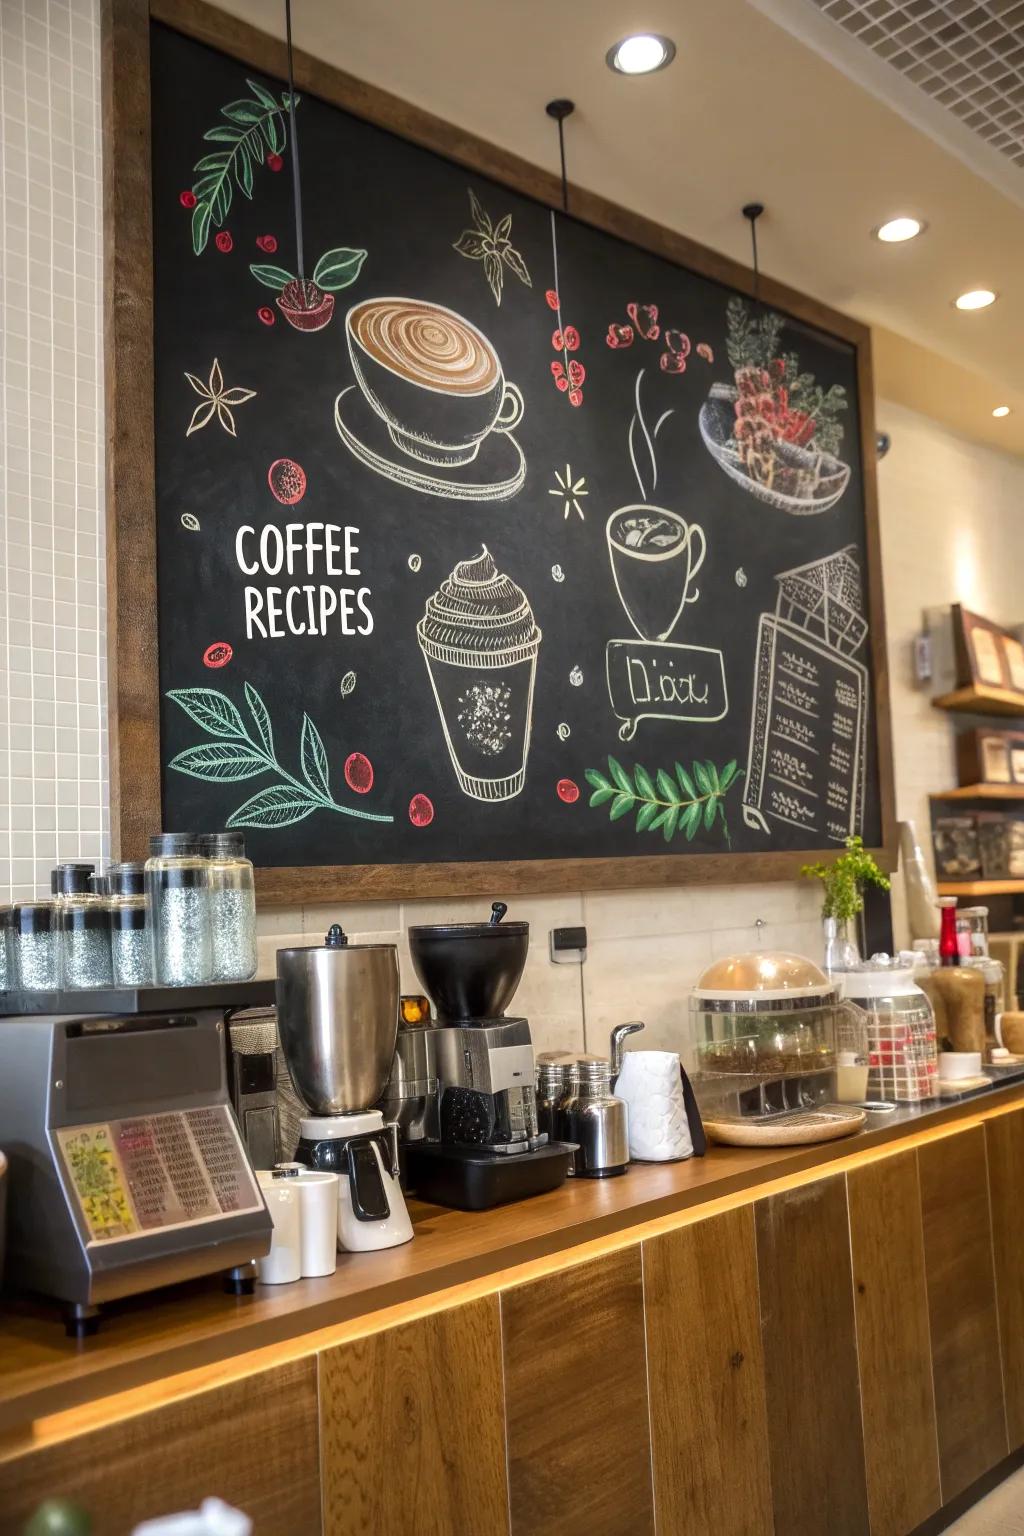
(308, 303)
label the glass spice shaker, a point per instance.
(232, 906)
(33, 951)
(131, 942)
(178, 891)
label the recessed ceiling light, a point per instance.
(975, 298)
(896, 230)
(1001, 410)
(641, 54)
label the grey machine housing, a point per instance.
(63, 1071)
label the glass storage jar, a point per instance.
(5, 949)
(83, 931)
(70, 882)
(33, 946)
(232, 906)
(903, 1051)
(131, 942)
(178, 891)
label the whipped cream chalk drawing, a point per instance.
(479, 641)
(655, 556)
(807, 756)
(491, 244)
(774, 430)
(570, 489)
(430, 408)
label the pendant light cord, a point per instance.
(561, 155)
(752, 212)
(296, 182)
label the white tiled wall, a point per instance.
(952, 527)
(53, 790)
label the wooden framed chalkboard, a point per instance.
(507, 550)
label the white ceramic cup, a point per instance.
(318, 1206)
(652, 1085)
(956, 1065)
(284, 1261)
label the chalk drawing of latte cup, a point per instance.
(655, 555)
(432, 377)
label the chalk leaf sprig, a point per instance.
(237, 753)
(255, 128)
(680, 801)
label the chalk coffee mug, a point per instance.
(655, 555)
(432, 378)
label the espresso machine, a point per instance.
(490, 1148)
(337, 1019)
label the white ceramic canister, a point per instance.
(318, 1211)
(284, 1261)
(651, 1084)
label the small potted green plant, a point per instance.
(844, 883)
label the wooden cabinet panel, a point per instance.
(1004, 1141)
(579, 1450)
(810, 1349)
(894, 1348)
(412, 1428)
(962, 1308)
(706, 1367)
(253, 1443)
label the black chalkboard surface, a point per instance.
(497, 538)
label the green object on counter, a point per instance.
(59, 1517)
(844, 880)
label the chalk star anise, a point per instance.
(216, 399)
(490, 244)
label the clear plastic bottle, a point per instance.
(232, 906)
(34, 952)
(178, 891)
(131, 941)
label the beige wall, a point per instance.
(951, 520)
(952, 530)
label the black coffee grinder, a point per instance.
(491, 1150)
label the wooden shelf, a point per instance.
(981, 792)
(980, 887)
(980, 699)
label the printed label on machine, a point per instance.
(155, 1172)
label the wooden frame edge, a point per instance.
(135, 773)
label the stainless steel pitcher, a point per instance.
(337, 1018)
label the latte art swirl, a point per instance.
(425, 343)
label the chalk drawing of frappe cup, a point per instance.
(431, 376)
(479, 640)
(655, 555)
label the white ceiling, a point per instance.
(747, 111)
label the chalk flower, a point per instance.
(215, 399)
(490, 244)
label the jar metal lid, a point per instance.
(68, 879)
(173, 844)
(78, 918)
(32, 917)
(127, 879)
(224, 844)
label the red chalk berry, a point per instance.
(552, 298)
(267, 243)
(187, 199)
(223, 241)
(266, 314)
(577, 373)
(358, 773)
(421, 811)
(568, 791)
(218, 654)
(287, 480)
(571, 336)
(274, 161)
(557, 340)
(575, 397)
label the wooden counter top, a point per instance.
(148, 1338)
